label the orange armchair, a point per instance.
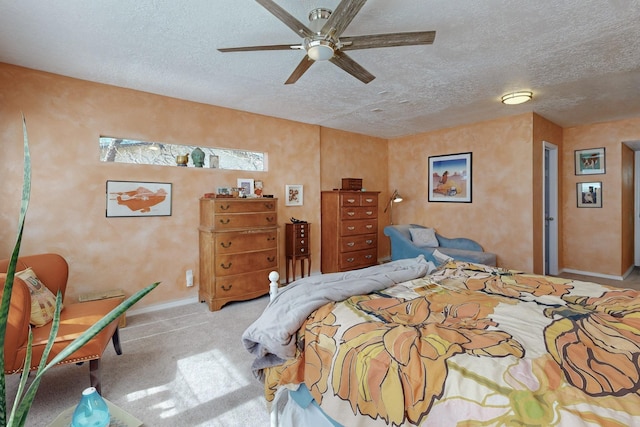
(75, 318)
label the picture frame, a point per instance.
(294, 195)
(589, 194)
(136, 198)
(590, 161)
(246, 184)
(450, 178)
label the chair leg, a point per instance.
(116, 341)
(94, 375)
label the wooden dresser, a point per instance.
(238, 249)
(349, 230)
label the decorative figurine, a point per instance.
(197, 155)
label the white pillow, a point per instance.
(424, 237)
(440, 257)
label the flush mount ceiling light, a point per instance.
(515, 98)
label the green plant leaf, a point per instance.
(11, 270)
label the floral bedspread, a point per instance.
(472, 345)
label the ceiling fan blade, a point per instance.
(342, 17)
(298, 27)
(343, 61)
(387, 40)
(300, 70)
(253, 48)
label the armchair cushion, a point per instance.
(43, 302)
(424, 237)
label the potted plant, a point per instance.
(25, 394)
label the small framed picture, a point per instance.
(133, 198)
(589, 194)
(293, 195)
(450, 178)
(246, 184)
(590, 162)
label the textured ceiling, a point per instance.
(581, 58)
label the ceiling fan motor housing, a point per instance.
(317, 18)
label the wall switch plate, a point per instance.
(189, 278)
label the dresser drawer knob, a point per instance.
(226, 245)
(301, 249)
(369, 200)
(225, 221)
(368, 242)
(369, 226)
(270, 219)
(302, 242)
(351, 228)
(351, 200)
(350, 259)
(271, 258)
(368, 256)
(351, 213)
(224, 208)
(226, 288)
(351, 244)
(369, 213)
(226, 267)
(268, 205)
(271, 238)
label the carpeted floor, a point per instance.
(182, 366)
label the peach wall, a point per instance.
(543, 131)
(350, 155)
(500, 215)
(593, 238)
(65, 117)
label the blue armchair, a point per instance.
(461, 249)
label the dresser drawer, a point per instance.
(358, 226)
(242, 284)
(240, 206)
(301, 250)
(232, 221)
(358, 242)
(230, 264)
(359, 212)
(358, 259)
(242, 241)
(301, 230)
(357, 199)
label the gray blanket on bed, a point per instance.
(271, 338)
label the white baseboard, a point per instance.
(163, 306)
(592, 274)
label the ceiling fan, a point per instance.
(321, 39)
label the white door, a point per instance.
(550, 209)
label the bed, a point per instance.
(408, 344)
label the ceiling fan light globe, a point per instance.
(320, 50)
(515, 98)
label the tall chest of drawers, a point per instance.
(238, 240)
(349, 230)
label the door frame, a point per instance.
(550, 248)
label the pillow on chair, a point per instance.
(424, 237)
(43, 302)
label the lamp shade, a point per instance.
(515, 98)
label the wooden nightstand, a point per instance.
(297, 245)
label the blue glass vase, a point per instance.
(92, 411)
